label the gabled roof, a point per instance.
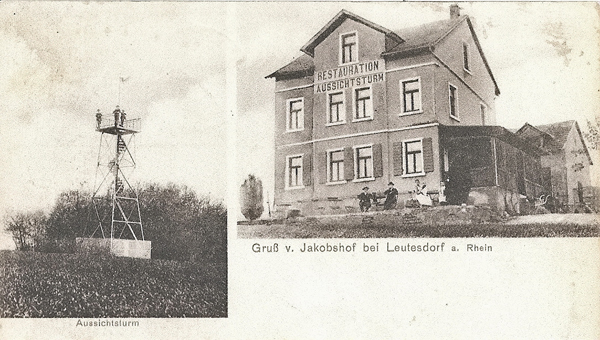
(408, 40)
(425, 35)
(299, 67)
(560, 132)
(309, 47)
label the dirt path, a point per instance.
(579, 219)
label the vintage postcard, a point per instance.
(300, 170)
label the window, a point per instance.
(453, 101)
(294, 171)
(348, 48)
(337, 113)
(482, 111)
(411, 95)
(466, 65)
(336, 166)
(363, 104)
(295, 114)
(364, 162)
(413, 157)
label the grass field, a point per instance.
(384, 226)
(74, 285)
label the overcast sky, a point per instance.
(62, 61)
(544, 56)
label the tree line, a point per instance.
(180, 224)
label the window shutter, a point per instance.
(377, 161)
(427, 155)
(322, 166)
(397, 158)
(306, 169)
(348, 163)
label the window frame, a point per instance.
(341, 48)
(354, 103)
(288, 112)
(356, 160)
(288, 173)
(402, 102)
(328, 110)
(329, 181)
(456, 116)
(466, 57)
(405, 158)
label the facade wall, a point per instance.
(370, 45)
(282, 136)
(450, 51)
(388, 127)
(286, 196)
(577, 165)
(405, 70)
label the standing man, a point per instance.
(98, 119)
(391, 197)
(364, 200)
(117, 113)
(123, 116)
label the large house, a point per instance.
(566, 162)
(364, 106)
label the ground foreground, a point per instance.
(73, 285)
(381, 225)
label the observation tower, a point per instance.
(115, 201)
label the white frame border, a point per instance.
(404, 165)
(420, 110)
(287, 172)
(287, 114)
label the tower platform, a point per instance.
(128, 127)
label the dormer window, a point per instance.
(348, 48)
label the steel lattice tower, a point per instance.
(115, 163)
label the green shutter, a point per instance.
(377, 161)
(397, 158)
(349, 163)
(427, 154)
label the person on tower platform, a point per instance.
(98, 119)
(123, 116)
(117, 113)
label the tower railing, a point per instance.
(128, 124)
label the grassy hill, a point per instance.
(75, 285)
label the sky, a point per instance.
(63, 60)
(544, 56)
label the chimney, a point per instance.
(454, 11)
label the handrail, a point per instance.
(129, 124)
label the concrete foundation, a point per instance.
(123, 248)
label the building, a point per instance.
(365, 106)
(566, 161)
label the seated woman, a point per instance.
(421, 194)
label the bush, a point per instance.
(251, 198)
(181, 225)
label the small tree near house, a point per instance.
(593, 134)
(251, 198)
